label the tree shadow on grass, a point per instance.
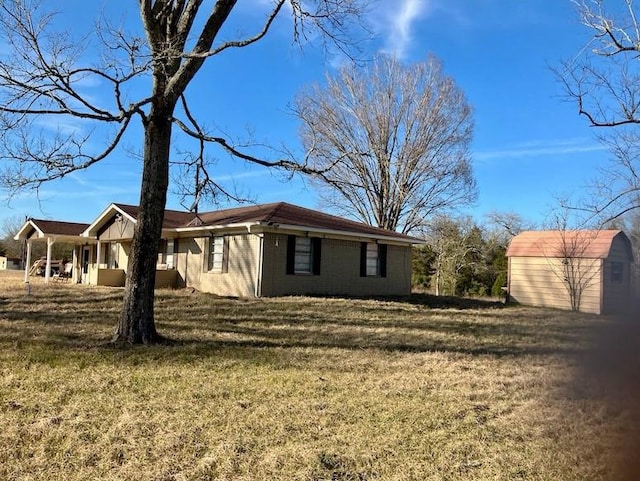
(206, 327)
(453, 302)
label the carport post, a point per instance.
(47, 274)
(27, 265)
(74, 263)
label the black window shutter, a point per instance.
(316, 253)
(291, 254)
(382, 259)
(363, 259)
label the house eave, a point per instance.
(260, 226)
(203, 229)
(362, 236)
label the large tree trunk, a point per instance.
(136, 323)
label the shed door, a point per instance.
(616, 286)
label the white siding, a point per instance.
(239, 280)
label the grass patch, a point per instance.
(301, 389)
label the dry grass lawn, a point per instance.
(303, 389)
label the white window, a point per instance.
(373, 264)
(303, 262)
(109, 255)
(373, 260)
(303, 255)
(217, 255)
(170, 248)
(162, 248)
(114, 250)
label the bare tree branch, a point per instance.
(604, 82)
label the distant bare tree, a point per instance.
(396, 139)
(144, 71)
(507, 225)
(604, 82)
(9, 228)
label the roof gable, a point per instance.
(588, 244)
(172, 218)
(50, 228)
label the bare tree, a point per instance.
(507, 225)
(41, 77)
(9, 228)
(577, 271)
(396, 139)
(604, 81)
(567, 254)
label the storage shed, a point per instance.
(10, 263)
(582, 270)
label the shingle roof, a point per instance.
(276, 213)
(293, 215)
(589, 244)
(53, 227)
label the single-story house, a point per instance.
(585, 270)
(254, 251)
(10, 263)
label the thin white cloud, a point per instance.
(239, 175)
(534, 149)
(65, 125)
(398, 24)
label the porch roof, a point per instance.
(40, 228)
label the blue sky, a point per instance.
(529, 144)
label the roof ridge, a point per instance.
(271, 210)
(120, 205)
(557, 231)
(33, 219)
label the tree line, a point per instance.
(463, 257)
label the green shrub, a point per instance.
(501, 281)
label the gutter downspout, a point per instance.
(258, 284)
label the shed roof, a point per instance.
(588, 244)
